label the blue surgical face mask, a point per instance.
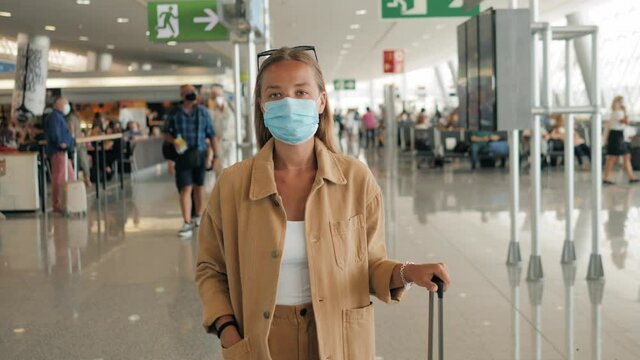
(292, 121)
(67, 109)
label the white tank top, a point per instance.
(294, 287)
(616, 120)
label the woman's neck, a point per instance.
(295, 157)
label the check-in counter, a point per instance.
(19, 182)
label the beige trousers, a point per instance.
(293, 334)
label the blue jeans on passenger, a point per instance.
(493, 148)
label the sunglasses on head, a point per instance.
(306, 48)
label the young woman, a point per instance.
(292, 241)
(616, 144)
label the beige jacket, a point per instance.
(241, 241)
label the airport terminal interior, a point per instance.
(504, 136)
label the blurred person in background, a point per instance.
(370, 124)
(224, 124)
(188, 128)
(133, 132)
(617, 144)
(557, 137)
(489, 143)
(59, 143)
(8, 136)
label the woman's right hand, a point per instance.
(229, 337)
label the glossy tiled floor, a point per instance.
(119, 284)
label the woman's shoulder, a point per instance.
(355, 171)
(236, 172)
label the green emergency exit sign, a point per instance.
(185, 21)
(344, 84)
(402, 9)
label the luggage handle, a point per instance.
(435, 279)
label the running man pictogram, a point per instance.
(168, 24)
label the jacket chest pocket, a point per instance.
(349, 240)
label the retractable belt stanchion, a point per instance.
(121, 163)
(96, 167)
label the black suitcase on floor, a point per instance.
(635, 158)
(440, 284)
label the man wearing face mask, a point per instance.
(59, 142)
(189, 128)
(224, 125)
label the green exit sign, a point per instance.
(344, 84)
(185, 21)
(403, 9)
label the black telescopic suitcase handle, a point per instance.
(436, 280)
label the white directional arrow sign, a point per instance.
(211, 19)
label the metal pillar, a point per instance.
(253, 70)
(569, 277)
(596, 293)
(514, 273)
(568, 249)
(595, 271)
(534, 271)
(536, 289)
(238, 99)
(513, 254)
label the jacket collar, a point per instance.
(263, 181)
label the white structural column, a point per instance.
(31, 76)
(238, 99)
(92, 61)
(440, 79)
(372, 96)
(581, 45)
(534, 271)
(253, 70)
(568, 249)
(104, 62)
(267, 26)
(513, 255)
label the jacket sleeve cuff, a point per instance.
(382, 282)
(215, 306)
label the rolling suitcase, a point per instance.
(75, 194)
(635, 158)
(440, 284)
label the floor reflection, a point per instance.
(118, 284)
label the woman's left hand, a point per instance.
(421, 274)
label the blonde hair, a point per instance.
(325, 128)
(617, 100)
